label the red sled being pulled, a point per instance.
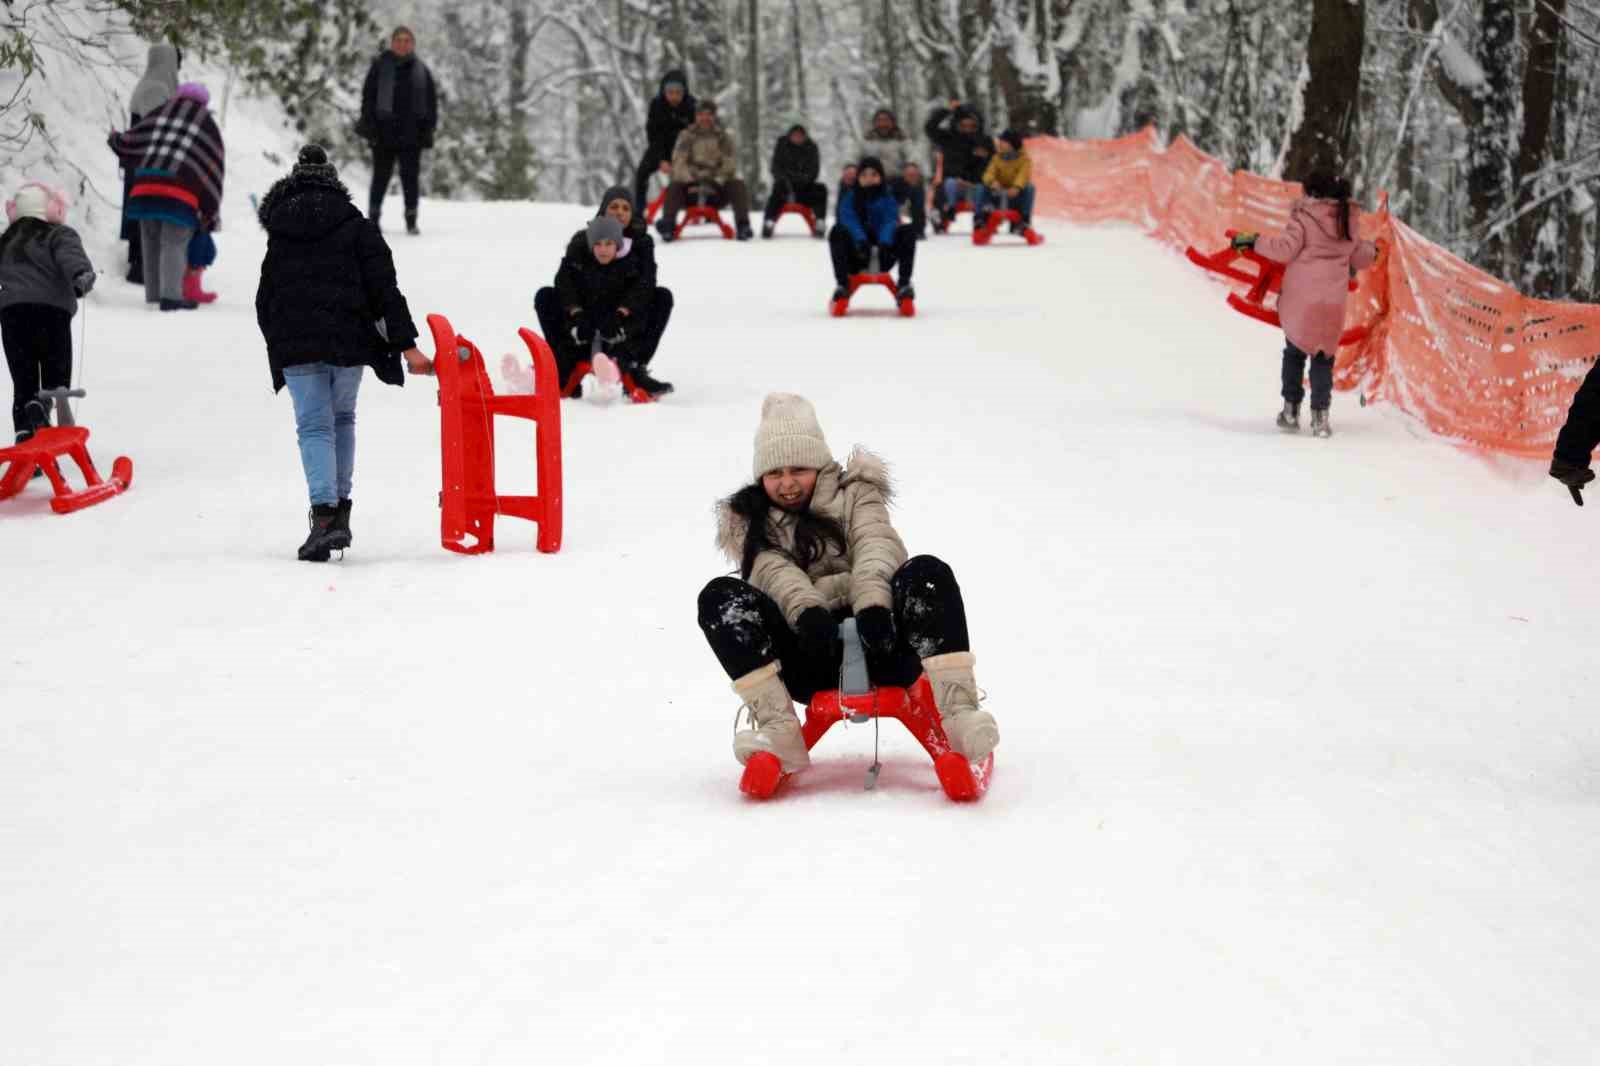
(1266, 278)
(838, 308)
(47, 447)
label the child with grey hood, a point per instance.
(44, 271)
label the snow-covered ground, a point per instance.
(1300, 762)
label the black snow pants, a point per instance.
(849, 259)
(38, 344)
(814, 196)
(915, 197)
(650, 164)
(1294, 369)
(557, 325)
(383, 161)
(747, 630)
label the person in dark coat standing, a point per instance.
(796, 162)
(328, 305)
(1579, 435)
(671, 112)
(399, 112)
(965, 150)
(636, 245)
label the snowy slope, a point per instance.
(1299, 759)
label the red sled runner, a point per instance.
(792, 208)
(584, 368)
(702, 215)
(1266, 278)
(838, 308)
(913, 707)
(46, 448)
(985, 234)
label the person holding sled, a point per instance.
(886, 140)
(965, 151)
(671, 112)
(327, 306)
(44, 272)
(572, 320)
(1320, 253)
(1008, 179)
(705, 164)
(399, 113)
(814, 544)
(868, 231)
(796, 163)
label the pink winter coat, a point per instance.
(1316, 279)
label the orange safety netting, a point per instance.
(1470, 356)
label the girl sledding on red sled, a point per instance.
(814, 545)
(1322, 254)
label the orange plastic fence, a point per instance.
(1471, 357)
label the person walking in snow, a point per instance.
(399, 113)
(44, 272)
(886, 140)
(159, 84)
(575, 314)
(671, 112)
(327, 306)
(1007, 179)
(177, 155)
(869, 229)
(796, 163)
(814, 544)
(705, 163)
(1320, 253)
(1579, 435)
(964, 151)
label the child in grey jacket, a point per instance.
(44, 271)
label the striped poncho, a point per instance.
(176, 156)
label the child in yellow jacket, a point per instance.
(1009, 175)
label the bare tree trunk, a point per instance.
(891, 52)
(751, 96)
(802, 111)
(1326, 134)
(1489, 139)
(1545, 40)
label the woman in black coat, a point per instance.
(328, 306)
(796, 162)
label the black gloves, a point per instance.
(581, 330)
(876, 628)
(1573, 476)
(83, 283)
(818, 632)
(614, 328)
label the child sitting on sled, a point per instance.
(1321, 254)
(869, 222)
(814, 545)
(599, 305)
(1009, 179)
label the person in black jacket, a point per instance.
(557, 318)
(671, 111)
(328, 305)
(399, 112)
(1578, 437)
(965, 149)
(796, 163)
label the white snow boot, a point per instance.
(1289, 417)
(777, 727)
(972, 732)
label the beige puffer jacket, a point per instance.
(857, 497)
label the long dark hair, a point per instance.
(1322, 185)
(812, 532)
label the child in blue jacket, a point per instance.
(868, 222)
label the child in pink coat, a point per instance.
(1321, 254)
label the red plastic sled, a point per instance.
(838, 308)
(43, 450)
(655, 206)
(913, 708)
(584, 368)
(1266, 279)
(986, 234)
(469, 501)
(804, 212)
(703, 214)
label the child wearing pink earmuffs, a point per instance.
(44, 271)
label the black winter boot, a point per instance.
(322, 541)
(411, 225)
(641, 377)
(341, 524)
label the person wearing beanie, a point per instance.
(869, 231)
(44, 272)
(328, 305)
(176, 153)
(886, 140)
(159, 84)
(604, 301)
(399, 114)
(814, 544)
(964, 149)
(671, 112)
(1007, 179)
(796, 163)
(705, 165)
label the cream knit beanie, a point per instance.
(33, 201)
(789, 435)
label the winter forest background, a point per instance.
(1475, 116)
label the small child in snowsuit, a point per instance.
(1007, 179)
(1321, 254)
(603, 303)
(868, 226)
(814, 545)
(44, 272)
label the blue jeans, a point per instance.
(953, 195)
(325, 421)
(987, 199)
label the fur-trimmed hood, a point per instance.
(862, 466)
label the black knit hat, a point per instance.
(870, 162)
(1012, 137)
(313, 163)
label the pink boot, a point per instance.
(192, 289)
